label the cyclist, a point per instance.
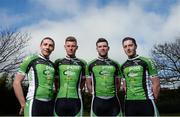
(71, 73)
(141, 82)
(103, 81)
(40, 73)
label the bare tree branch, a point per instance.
(12, 45)
(167, 59)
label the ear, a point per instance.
(53, 48)
(136, 47)
(108, 48)
(76, 47)
(40, 45)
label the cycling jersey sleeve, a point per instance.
(24, 66)
(151, 68)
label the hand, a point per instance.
(21, 112)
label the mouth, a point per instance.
(47, 51)
(128, 51)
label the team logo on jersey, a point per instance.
(48, 73)
(132, 74)
(104, 73)
(75, 67)
(133, 71)
(48, 70)
(107, 67)
(69, 73)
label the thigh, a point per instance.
(139, 108)
(42, 108)
(130, 108)
(106, 107)
(67, 107)
(147, 108)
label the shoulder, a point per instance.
(58, 60)
(30, 58)
(24, 66)
(146, 59)
(124, 62)
(143, 58)
(92, 61)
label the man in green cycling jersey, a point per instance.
(103, 81)
(71, 73)
(40, 73)
(141, 82)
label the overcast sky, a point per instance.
(148, 21)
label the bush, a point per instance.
(169, 101)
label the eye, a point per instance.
(99, 46)
(50, 45)
(125, 46)
(45, 44)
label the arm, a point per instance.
(82, 84)
(19, 91)
(118, 84)
(155, 87)
(124, 86)
(89, 85)
(56, 84)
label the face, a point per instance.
(47, 47)
(129, 48)
(70, 47)
(102, 49)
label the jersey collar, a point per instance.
(135, 57)
(103, 58)
(70, 58)
(41, 56)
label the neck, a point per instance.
(46, 57)
(103, 57)
(133, 56)
(70, 56)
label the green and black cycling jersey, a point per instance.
(137, 73)
(103, 72)
(71, 71)
(40, 73)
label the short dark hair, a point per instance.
(101, 40)
(49, 38)
(71, 38)
(129, 38)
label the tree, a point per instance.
(167, 59)
(12, 44)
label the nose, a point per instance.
(102, 48)
(47, 46)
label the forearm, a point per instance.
(118, 84)
(19, 93)
(156, 87)
(82, 84)
(89, 85)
